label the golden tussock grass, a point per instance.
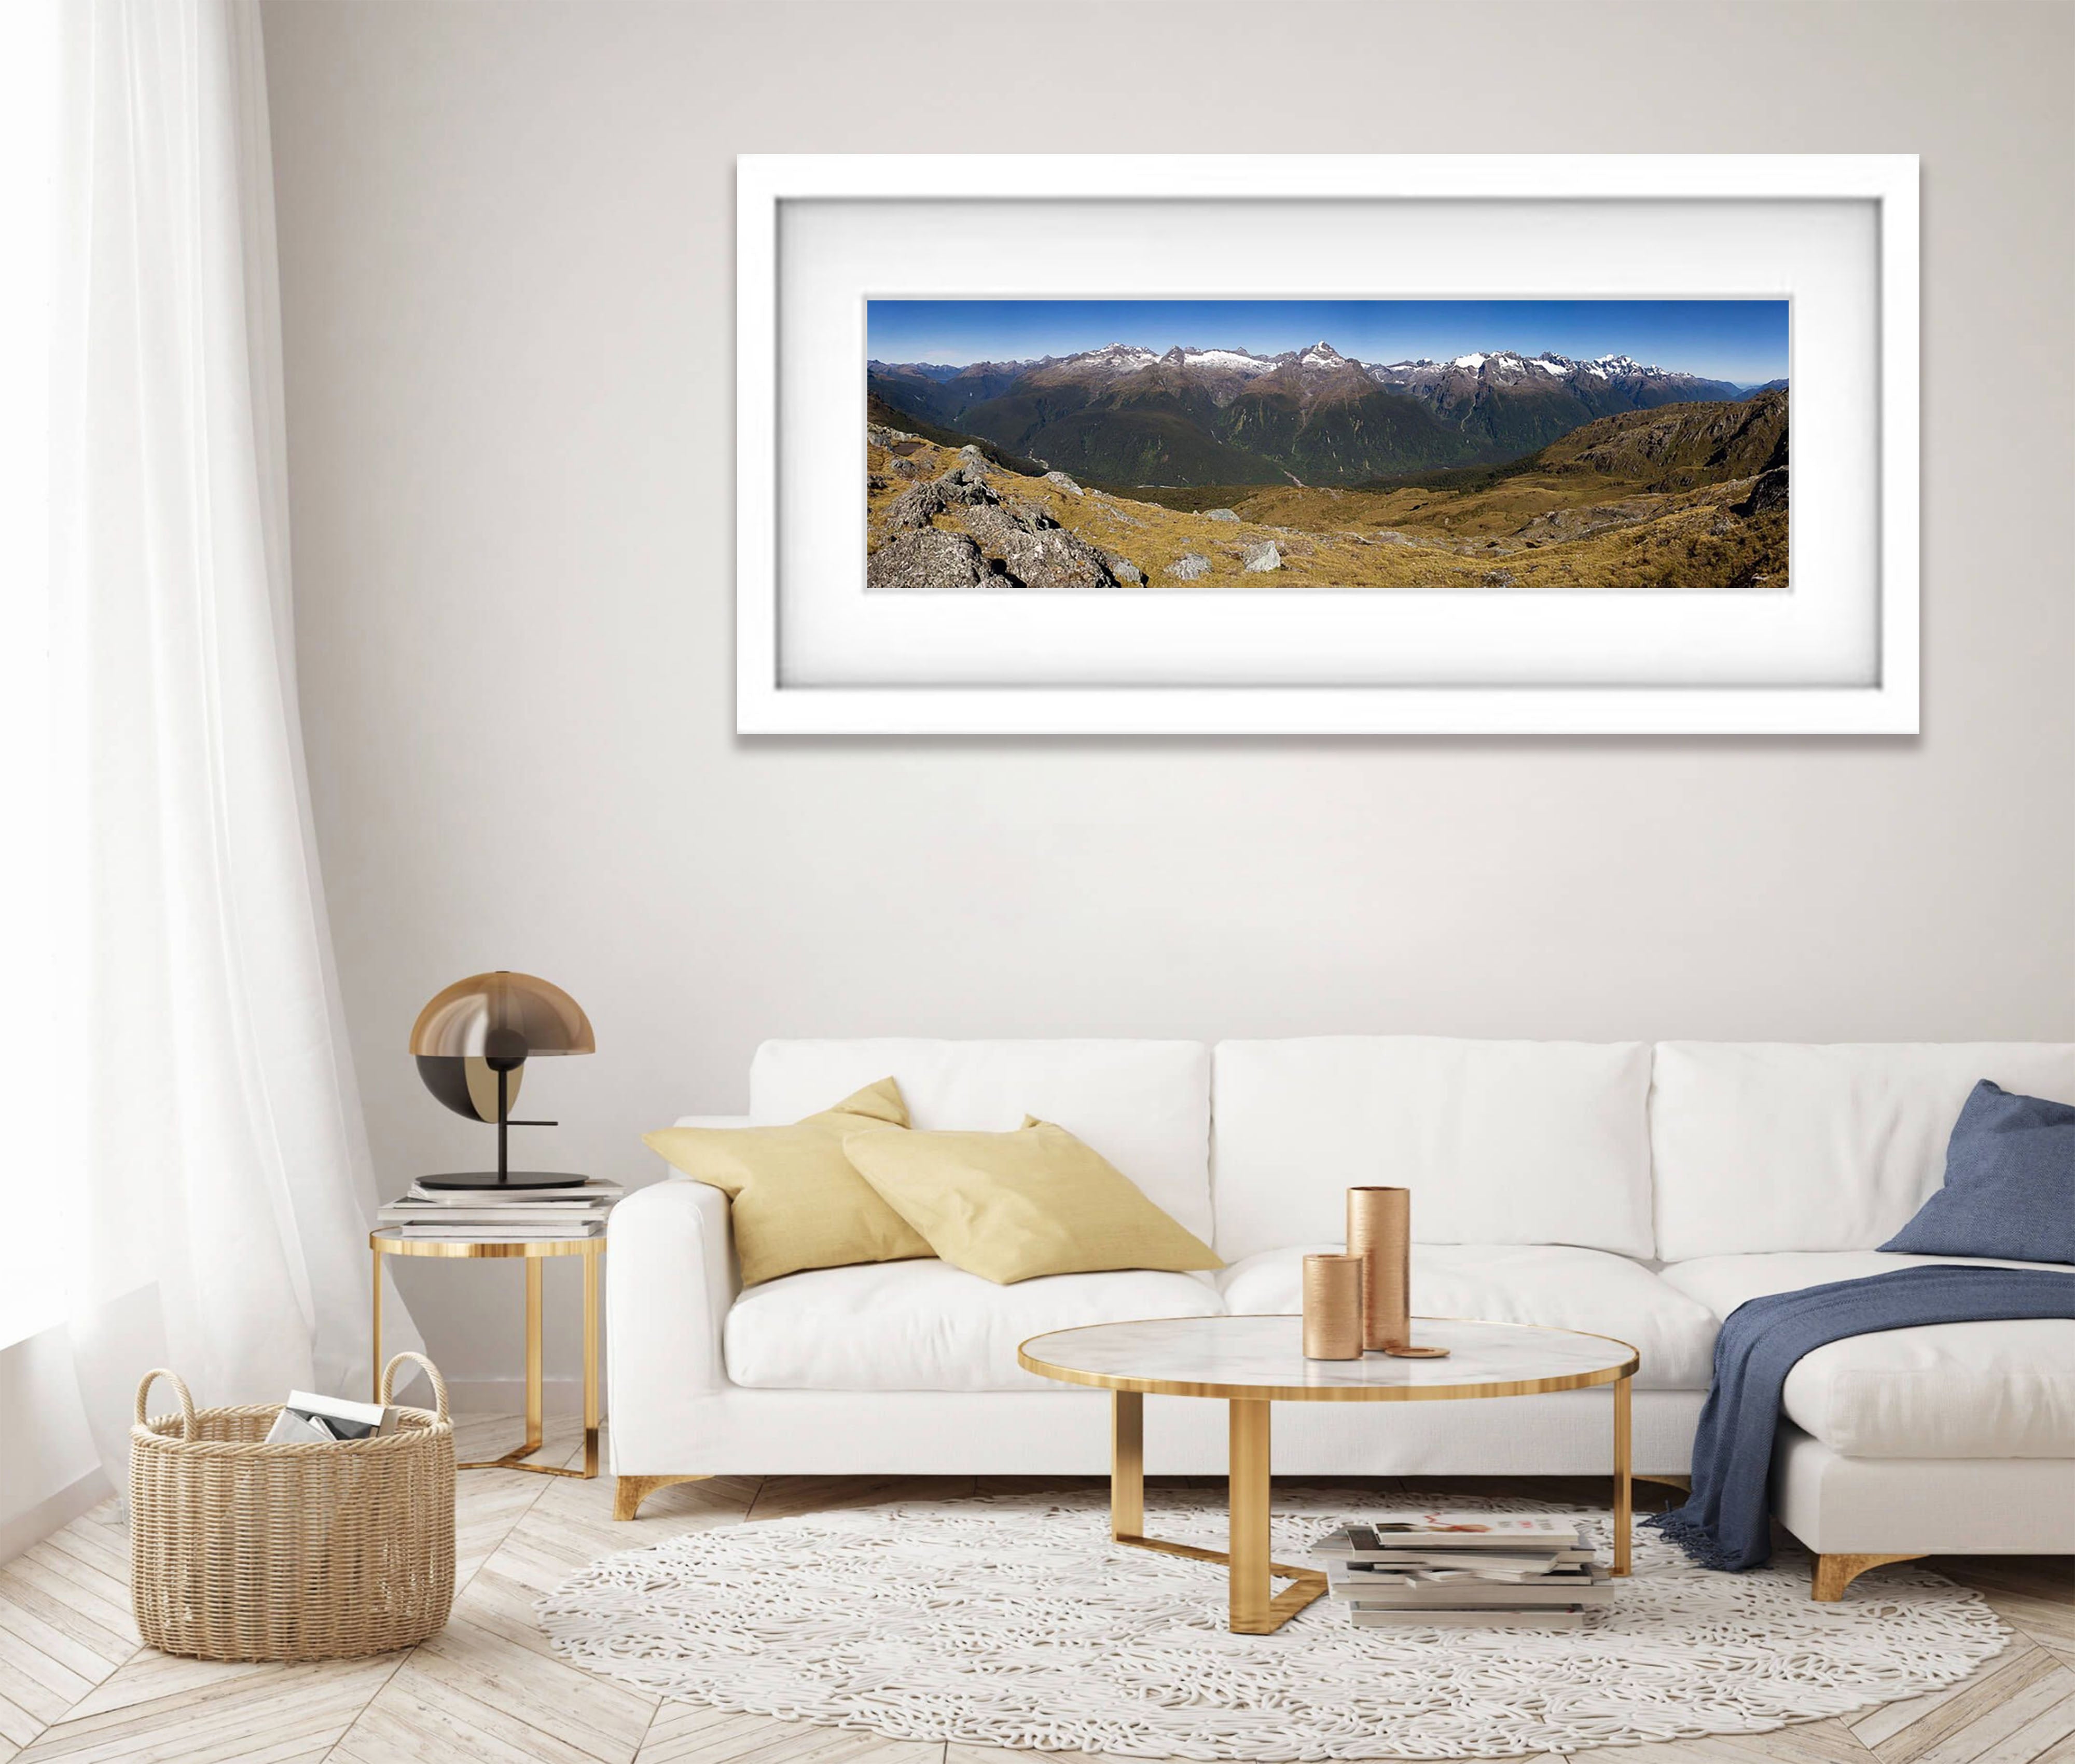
(1525, 532)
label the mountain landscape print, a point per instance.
(1382, 443)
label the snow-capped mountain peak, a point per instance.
(1512, 365)
(1321, 355)
(1124, 358)
(1237, 360)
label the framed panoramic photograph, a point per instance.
(1290, 446)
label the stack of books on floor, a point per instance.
(512, 1215)
(1527, 1570)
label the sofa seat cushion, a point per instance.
(1589, 1289)
(1943, 1390)
(928, 1326)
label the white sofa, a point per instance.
(1633, 1191)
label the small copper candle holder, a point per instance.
(1380, 1232)
(1333, 1307)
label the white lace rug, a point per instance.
(1015, 1621)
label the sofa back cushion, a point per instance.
(1500, 1142)
(1145, 1106)
(1768, 1147)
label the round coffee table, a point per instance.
(1253, 1361)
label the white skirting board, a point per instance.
(738, 1432)
(29, 1528)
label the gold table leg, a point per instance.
(536, 1359)
(1246, 1503)
(1624, 1485)
(1249, 1572)
(535, 1374)
(374, 1370)
(590, 1366)
(1127, 1466)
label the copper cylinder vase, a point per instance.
(1333, 1307)
(1380, 1232)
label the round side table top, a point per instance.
(1264, 1357)
(390, 1242)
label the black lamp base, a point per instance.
(490, 1180)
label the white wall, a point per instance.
(49, 1472)
(506, 233)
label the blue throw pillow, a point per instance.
(2010, 1183)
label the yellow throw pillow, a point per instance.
(794, 1198)
(1010, 1206)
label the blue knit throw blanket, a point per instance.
(1725, 1520)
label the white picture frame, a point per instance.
(778, 614)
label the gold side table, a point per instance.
(392, 1242)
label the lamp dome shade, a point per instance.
(469, 1086)
(504, 1018)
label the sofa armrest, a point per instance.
(671, 1279)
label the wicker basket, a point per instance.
(244, 1552)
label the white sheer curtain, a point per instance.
(29, 63)
(213, 1144)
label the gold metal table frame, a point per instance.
(390, 1242)
(1256, 1608)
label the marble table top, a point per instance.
(1263, 1357)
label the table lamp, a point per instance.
(472, 1043)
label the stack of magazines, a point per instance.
(309, 1420)
(577, 1209)
(1527, 1570)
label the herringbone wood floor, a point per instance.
(75, 1685)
